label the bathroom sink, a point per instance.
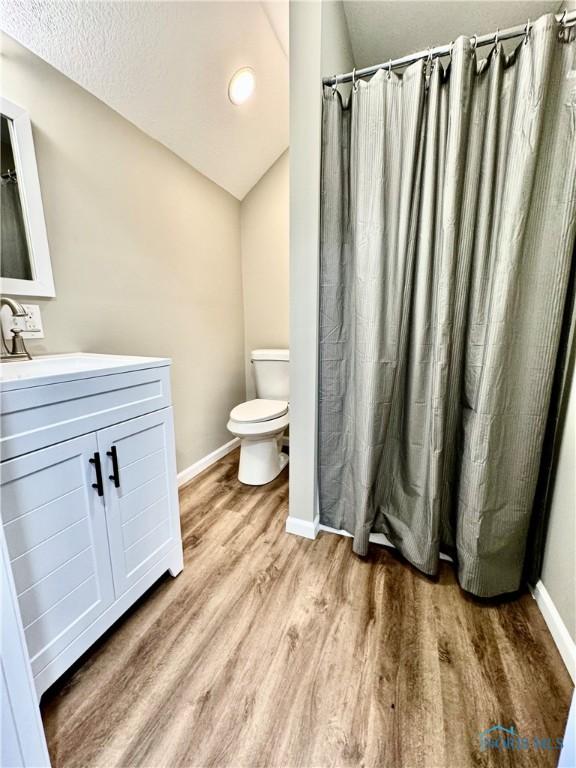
(53, 368)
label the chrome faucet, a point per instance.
(18, 348)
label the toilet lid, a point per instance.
(259, 410)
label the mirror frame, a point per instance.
(42, 283)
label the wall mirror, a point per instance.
(25, 267)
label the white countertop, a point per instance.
(52, 369)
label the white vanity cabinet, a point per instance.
(89, 499)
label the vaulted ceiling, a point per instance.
(165, 67)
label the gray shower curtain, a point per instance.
(448, 222)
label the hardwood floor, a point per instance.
(273, 650)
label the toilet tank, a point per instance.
(271, 373)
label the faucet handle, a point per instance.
(18, 345)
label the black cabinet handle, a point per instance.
(98, 484)
(116, 472)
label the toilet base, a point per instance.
(261, 460)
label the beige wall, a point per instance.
(264, 223)
(559, 567)
(336, 48)
(145, 250)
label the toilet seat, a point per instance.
(258, 429)
(256, 411)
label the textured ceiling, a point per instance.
(165, 66)
(384, 29)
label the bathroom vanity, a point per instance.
(88, 493)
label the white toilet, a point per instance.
(260, 423)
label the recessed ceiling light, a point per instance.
(241, 85)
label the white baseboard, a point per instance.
(305, 528)
(199, 466)
(375, 538)
(566, 646)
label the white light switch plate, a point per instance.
(31, 325)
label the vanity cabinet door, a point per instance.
(141, 494)
(55, 528)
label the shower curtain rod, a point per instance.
(566, 17)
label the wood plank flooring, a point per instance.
(270, 650)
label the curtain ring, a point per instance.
(389, 69)
(451, 49)
(335, 86)
(527, 30)
(497, 39)
(354, 83)
(474, 42)
(563, 17)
